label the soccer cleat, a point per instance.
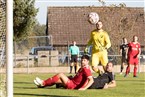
(37, 84)
(39, 81)
(134, 76)
(121, 73)
(125, 75)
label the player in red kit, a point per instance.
(133, 53)
(81, 81)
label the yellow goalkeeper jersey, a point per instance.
(99, 40)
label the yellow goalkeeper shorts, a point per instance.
(100, 57)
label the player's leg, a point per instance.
(71, 64)
(122, 64)
(95, 62)
(75, 67)
(75, 63)
(58, 78)
(135, 67)
(104, 59)
(127, 70)
(121, 69)
(129, 61)
(135, 71)
(60, 85)
(71, 67)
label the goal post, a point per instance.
(9, 48)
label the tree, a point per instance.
(39, 30)
(24, 18)
(102, 2)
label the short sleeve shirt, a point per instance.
(124, 48)
(82, 76)
(74, 50)
(133, 49)
(100, 81)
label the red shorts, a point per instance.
(70, 84)
(133, 60)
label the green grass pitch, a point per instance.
(126, 87)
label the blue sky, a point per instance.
(43, 4)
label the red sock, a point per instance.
(127, 69)
(135, 71)
(50, 81)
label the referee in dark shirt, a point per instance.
(123, 52)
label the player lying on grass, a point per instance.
(81, 81)
(104, 81)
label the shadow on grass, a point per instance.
(25, 87)
(35, 87)
(23, 82)
(44, 95)
(127, 80)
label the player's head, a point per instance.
(135, 38)
(99, 25)
(124, 40)
(109, 67)
(74, 42)
(85, 57)
(85, 60)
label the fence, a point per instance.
(28, 63)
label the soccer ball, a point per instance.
(93, 17)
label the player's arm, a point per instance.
(127, 50)
(108, 42)
(87, 84)
(139, 52)
(88, 45)
(78, 52)
(70, 51)
(112, 84)
(91, 40)
(120, 50)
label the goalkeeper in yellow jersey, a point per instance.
(101, 42)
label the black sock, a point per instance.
(121, 68)
(70, 69)
(75, 68)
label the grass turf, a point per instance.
(126, 87)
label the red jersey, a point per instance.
(133, 49)
(82, 76)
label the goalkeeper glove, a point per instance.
(86, 50)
